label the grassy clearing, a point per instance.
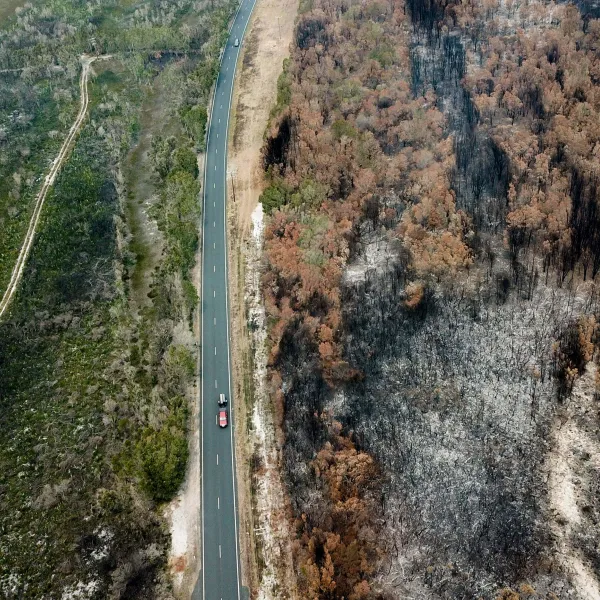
(7, 8)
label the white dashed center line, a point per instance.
(217, 459)
(218, 503)
(215, 383)
(215, 350)
(219, 550)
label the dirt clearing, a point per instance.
(265, 540)
(266, 45)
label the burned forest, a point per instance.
(430, 265)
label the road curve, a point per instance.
(220, 574)
(17, 272)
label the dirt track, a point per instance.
(17, 273)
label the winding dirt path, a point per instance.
(17, 273)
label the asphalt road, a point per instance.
(220, 576)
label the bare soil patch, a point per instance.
(266, 46)
(572, 469)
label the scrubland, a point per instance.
(97, 356)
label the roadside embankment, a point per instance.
(265, 539)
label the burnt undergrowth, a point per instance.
(447, 334)
(462, 461)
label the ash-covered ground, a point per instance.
(457, 404)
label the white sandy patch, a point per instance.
(183, 515)
(377, 256)
(271, 495)
(258, 223)
(81, 591)
(585, 582)
(564, 480)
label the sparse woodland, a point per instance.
(430, 271)
(95, 375)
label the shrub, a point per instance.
(163, 457)
(284, 89)
(194, 120)
(184, 159)
(274, 197)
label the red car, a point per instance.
(222, 418)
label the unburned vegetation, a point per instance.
(431, 290)
(95, 375)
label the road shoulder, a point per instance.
(263, 522)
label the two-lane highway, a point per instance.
(220, 556)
